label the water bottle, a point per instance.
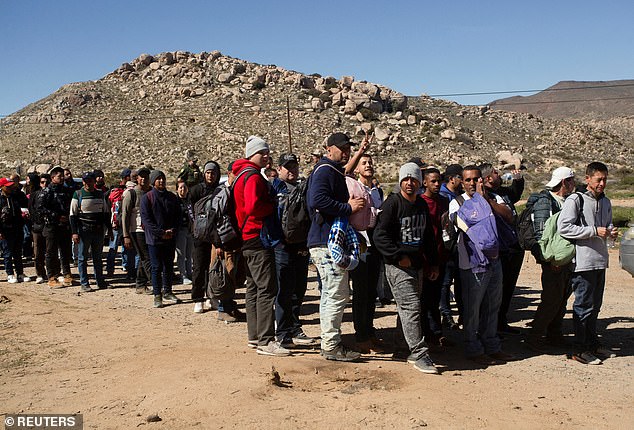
(610, 241)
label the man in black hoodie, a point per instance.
(402, 235)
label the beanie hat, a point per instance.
(154, 175)
(254, 145)
(410, 170)
(210, 165)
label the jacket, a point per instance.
(543, 207)
(437, 206)
(52, 203)
(131, 211)
(11, 212)
(327, 198)
(253, 199)
(89, 211)
(160, 211)
(403, 229)
(591, 252)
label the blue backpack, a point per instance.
(476, 219)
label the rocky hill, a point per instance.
(156, 107)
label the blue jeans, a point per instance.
(291, 264)
(184, 247)
(335, 293)
(128, 256)
(407, 288)
(481, 296)
(162, 261)
(90, 244)
(588, 287)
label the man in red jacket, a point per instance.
(255, 209)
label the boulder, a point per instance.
(381, 133)
(448, 134)
(350, 107)
(359, 99)
(145, 59)
(346, 81)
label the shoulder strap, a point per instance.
(459, 199)
(581, 217)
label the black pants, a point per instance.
(201, 259)
(511, 266)
(39, 253)
(144, 271)
(58, 245)
(556, 289)
(365, 279)
(260, 294)
(430, 305)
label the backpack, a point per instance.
(476, 219)
(449, 233)
(295, 216)
(556, 249)
(116, 197)
(215, 217)
(525, 224)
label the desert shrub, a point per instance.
(621, 216)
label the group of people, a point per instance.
(436, 229)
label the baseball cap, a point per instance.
(88, 175)
(287, 158)
(558, 175)
(125, 172)
(340, 140)
(5, 182)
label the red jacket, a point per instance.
(253, 199)
(437, 206)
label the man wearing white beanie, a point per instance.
(402, 235)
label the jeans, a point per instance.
(451, 275)
(291, 264)
(588, 287)
(260, 294)
(365, 279)
(144, 267)
(335, 293)
(58, 244)
(12, 251)
(406, 286)
(430, 306)
(511, 266)
(184, 247)
(90, 243)
(128, 256)
(162, 260)
(481, 295)
(39, 253)
(201, 256)
(556, 290)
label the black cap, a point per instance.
(452, 171)
(144, 171)
(98, 173)
(340, 140)
(88, 175)
(125, 173)
(287, 158)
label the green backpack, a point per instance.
(556, 249)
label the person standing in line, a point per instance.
(184, 238)
(12, 231)
(37, 226)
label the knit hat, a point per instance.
(559, 174)
(210, 165)
(154, 175)
(143, 171)
(410, 170)
(254, 145)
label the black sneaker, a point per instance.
(340, 353)
(426, 365)
(302, 339)
(170, 298)
(158, 301)
(508, 330)
(86, 289)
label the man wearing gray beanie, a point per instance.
(254, 145)
(403, 234)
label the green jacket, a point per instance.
(191, 175)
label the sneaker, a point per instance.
(508, 330)
(449, 322)
(302, 339)
(211, 304)
(198, 308)
(139, 290)
(149, 290)
(86, 289)
(39, 280)
(587, 358)
(273, 348)
(23, 278)
(158, 301)
(426, 365)
(11, 279)
(171, 298)
(253, 344)
(604, 352)
(53, 282)
(485, 360)
(502, 356)
(68, 280)
(340, 353)
(187, 281)
(226, 317)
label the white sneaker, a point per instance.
(39, 280)
(273, 348)
(198, 308)
(24, 278)
(60, 279)
(11, 279)
(187, 281)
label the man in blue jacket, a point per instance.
(160, 214)
(328, 198)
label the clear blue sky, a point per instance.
(432, 47)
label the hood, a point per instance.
(241, 164)
(217, 181)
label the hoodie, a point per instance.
(591, 252)
(253, 199)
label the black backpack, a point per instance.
(295, 216)
(525, 227)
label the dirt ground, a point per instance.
(111, 357)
